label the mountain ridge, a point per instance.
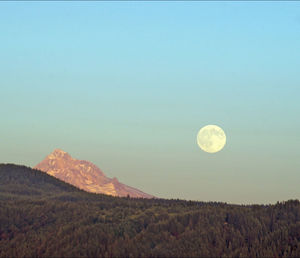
(85, 175)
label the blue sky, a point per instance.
(127, 85)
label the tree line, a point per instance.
(41, 216)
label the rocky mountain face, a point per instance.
(85, 175)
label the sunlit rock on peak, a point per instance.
(85, 175)
(58, 153)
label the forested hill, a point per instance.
(42, 216)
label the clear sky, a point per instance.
(127, 86)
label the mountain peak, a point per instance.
(58, 153)
(85, 175)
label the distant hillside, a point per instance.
(41, 216)
(25, 181)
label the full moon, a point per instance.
(211, 138)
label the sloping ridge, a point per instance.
(85, 175)
(25, 181)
